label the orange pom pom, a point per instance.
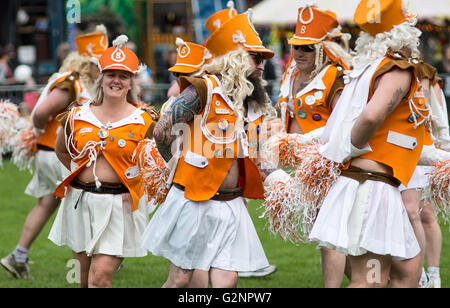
(438, 190)
(153, 170)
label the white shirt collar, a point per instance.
(86, 114)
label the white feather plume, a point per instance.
(101, 28)
(179, 41)
(120, 41)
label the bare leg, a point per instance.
(178, 278)
(102, 270)
(37, 219)
(369, 270)
(223, 279)
(200, 279)
(406, 273)
(411, 200)
(433, 236)
(85, 263)
(333, 266)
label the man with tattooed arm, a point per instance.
(204, 223)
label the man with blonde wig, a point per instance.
(310, 89)
(204, 223)
(363, 215)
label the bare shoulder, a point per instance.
(395, 78)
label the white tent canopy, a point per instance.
(284, 12)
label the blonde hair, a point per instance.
(234, 68)
(132, 95)
(338, 52)
(80, 64)
(371, 48)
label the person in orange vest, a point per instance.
(412, 194)
(310, 89)
(204, 224)
(73, 82)
(433, 235)
(363, 214)
(103, 211)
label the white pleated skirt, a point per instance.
(48, 173)
(100, 224)
(201, 235)
(358, 218)
(419, 178)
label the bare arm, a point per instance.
(335, 99)
(61, 150)
(390, 90)
(55, 102)
(183, 110)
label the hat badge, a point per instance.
(184, 51)
(118, 55)
(300, 17)
(238, 37)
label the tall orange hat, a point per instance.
(337, 31)
(382, 17)
(119, 57)
(216, 20)
(237, 32)
(93, 44)
(313, 26)
(190, 57)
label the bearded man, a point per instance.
(204, 223)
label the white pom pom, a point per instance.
(101, 28)
(230, 4)
(120, 41)
(179, 41)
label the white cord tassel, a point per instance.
(89, 149)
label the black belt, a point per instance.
(106, 188)
(363, 175)
(45, 148)
(223, 195)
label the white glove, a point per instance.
(276, 176)
(38, 131)
(443, 140)
(431, 155)
(355, 152)
(312, 135)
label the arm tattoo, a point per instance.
(186, 106)
(394, 101)
(182, 110)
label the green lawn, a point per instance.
(298, 266)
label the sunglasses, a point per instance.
(257, 57)
(304, 48)
(177, 75)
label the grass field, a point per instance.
(298, 266)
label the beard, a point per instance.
(259, 92)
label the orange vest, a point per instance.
(119, 145)
(77, 92)
(312, 105)
(212, 146)
(397, 143)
